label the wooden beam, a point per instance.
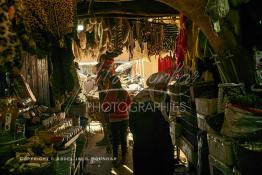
(124, 14)
(127, 8)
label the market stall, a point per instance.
(210, 49)
(35, 138)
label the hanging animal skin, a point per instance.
(104, 25)
(126, 29)
(82, 37)
(9, 44)
(56, 17)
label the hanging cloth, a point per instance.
(180, 49)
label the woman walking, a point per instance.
(116, 103)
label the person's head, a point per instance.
(157, 82)
(115, 82)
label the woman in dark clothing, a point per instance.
(116, 103)
(153, 152)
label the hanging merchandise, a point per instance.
(142, 38)
(82, 37)
(165, 65)
(195, 37)
(170, 34)
(76, 51)
(216, 10)
(49, 20)
(160, 64)
(180, 49)
(145, 51)
(9, 43)
(137, 51)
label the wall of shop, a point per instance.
(35, 72)
(150, 66)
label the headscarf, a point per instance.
(158, 78)
(148, 94)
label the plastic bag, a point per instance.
(240, 123)
(217, 9)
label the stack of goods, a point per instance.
(10, 124)
(244, 126)
(61, 134)
(215, 150)
(220, 153)
(185, 121)
(41, 117)
(233, 126)
(204, 95)
(132, 84)
(31, 157)
(12, 129)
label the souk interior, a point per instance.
(54, 52)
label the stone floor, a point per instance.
(99, 161)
